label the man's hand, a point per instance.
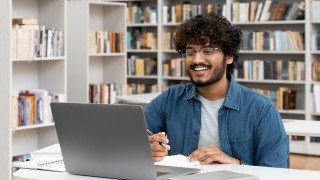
(158, 151)
(211, 154)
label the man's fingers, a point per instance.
(155, 146)
(202, 154)
(156, 159)
(159, 137)
(159, 153)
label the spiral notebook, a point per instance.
(49, 164)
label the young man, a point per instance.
(214, 119)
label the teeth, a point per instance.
(200, 68)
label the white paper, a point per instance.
(177, 160)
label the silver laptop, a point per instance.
(108, 141)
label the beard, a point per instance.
(216, 75)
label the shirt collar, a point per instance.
(232, 99)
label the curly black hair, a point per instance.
(213, 29)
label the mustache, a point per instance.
(194, 65)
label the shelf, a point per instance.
(271, 81)
(316, 82)
(270, 23)
(37, 59)
(175, 78)
(302, 147)
(271, 52)
(169, 51)
(36, 126)
(142, 50)
(171, 24)
(142, 77)
(108, 55)
(315, 52)
(142, 25)
(315, 114)
(302, 112)
(315, 22)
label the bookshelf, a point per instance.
(28, 63)
(88, 63)
(142, 46)
(5, 90)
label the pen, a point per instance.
(164, 145)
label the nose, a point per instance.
(197, 57)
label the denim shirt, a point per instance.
(250, 127)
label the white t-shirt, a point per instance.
(209, 134)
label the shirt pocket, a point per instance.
(243, 150)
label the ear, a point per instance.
(229, 59)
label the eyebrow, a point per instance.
(200, 47)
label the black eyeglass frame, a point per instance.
(183, 52)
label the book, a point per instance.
(22, 21)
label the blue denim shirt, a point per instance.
(250, 127)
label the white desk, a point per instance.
(302, 127)
(264, 173)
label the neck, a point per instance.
(215, 91)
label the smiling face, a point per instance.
(205, 68)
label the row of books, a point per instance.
(33, 107)
(105, 93)
(182, 11)
(142, 66)
(173, 67)
(315, 70)
(137, 14)
(272, 40)
(283, 98)
(167, 40)
(315, 10)
(139, 88)
(30, 40)
(280, 70)
(136, 39)
(104, 42)
(268, 10)
(315, 40)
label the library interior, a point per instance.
(123, 52)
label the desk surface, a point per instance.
(264, 173)
(302, 127)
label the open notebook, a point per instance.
(49, 164)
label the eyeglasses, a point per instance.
(205, 52)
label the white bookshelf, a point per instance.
(47, 73)
(5, 90)
(84, 67)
